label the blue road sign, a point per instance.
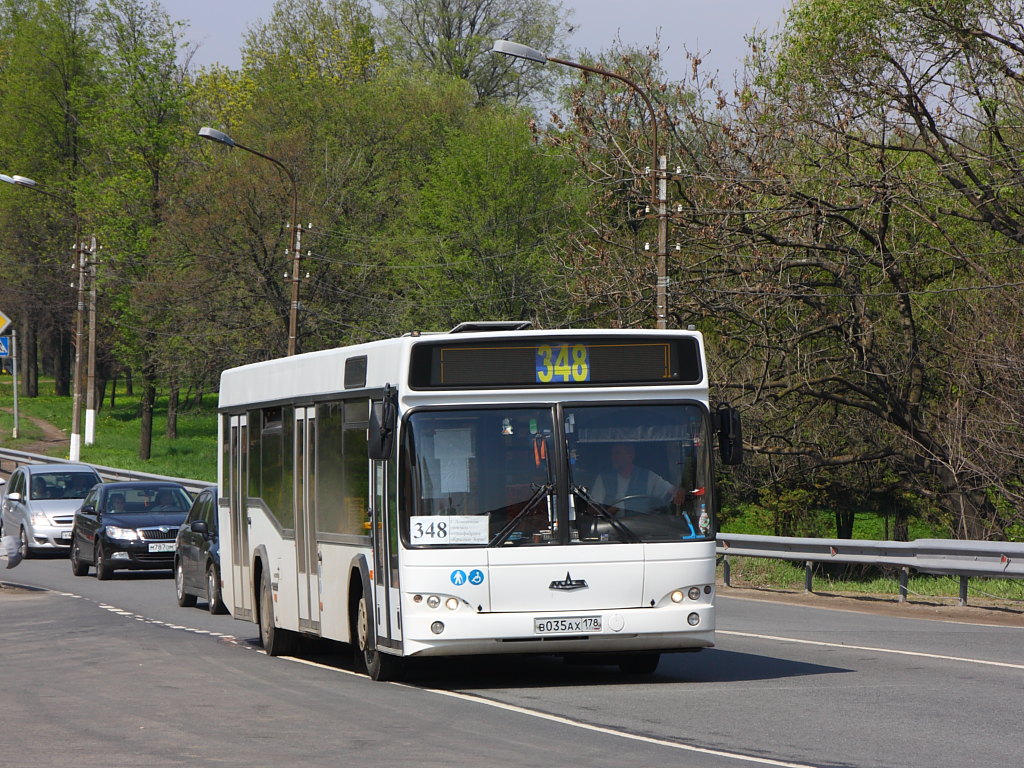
(5, 346)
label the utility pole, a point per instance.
(90, 390)
(75, 451)
(657, 171)
(296, 254)
(662, 286)
(14, 379)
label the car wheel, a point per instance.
(26, 552)
(77, 566)
(276, 641)
(379, 666)
(185, 600)
(215, 604)
(103, 569)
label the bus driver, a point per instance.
(638, 487)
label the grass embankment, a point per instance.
(193, 454)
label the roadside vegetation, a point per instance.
(845, 219)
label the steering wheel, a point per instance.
(658, 502)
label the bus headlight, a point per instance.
(433, 601)
(451, 603)
(677, 596)
(694, 593)
(437, 627)
(693, 619)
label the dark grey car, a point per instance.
(128, 525)
(197, 555)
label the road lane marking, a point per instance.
(844, 646)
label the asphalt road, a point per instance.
(116, 674)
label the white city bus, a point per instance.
(489, 490)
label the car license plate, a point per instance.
(567, 625)
(162, 547)
(65, 535)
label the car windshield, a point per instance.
(62, 485)
(147, 499)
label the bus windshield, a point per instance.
(492, 476)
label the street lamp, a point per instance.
(658, 166)
(293, 316)
(75, 449)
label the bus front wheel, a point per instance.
(379, 666)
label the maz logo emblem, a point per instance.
(568, 583)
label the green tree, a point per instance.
(454, 37)
(136, 133)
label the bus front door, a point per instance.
(307, 552)
(238, 496)
(386, 601)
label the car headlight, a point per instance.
(38, 518)
(128, 534)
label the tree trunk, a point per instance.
(172, 413)
(148, 401)
(28, 364)
(63, 361)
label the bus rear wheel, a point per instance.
(276, 641)
(379, 666)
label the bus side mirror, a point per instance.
(383, 418)
(730, 434)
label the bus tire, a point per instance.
(276, 641)
(379, 666)
(639, 663)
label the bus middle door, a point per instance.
(307, 552)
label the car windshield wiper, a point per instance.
(599, 511)
(543, 491)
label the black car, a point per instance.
(128, 525)
(197, 555)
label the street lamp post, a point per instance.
(659, 166)
(74, 451)
(294, 247)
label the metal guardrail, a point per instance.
(946, 557)
(11, 460)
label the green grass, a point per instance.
(192, 455)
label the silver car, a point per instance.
(39, 503)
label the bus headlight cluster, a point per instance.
(693, 593)
(434, 601)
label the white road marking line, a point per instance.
(895, 651)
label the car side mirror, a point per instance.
(14, 496)
(88, 509)
(200, 526)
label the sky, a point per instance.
(714, 29)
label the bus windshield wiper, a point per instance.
(599, 511)
(543, 491)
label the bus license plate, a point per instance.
(168, 547)
(574, 625)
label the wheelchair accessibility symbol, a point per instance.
(458, 577)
